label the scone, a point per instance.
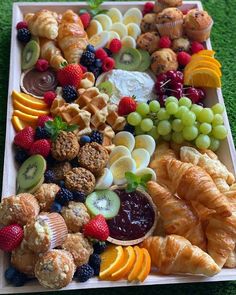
(46, 195)
(148, 23)
(180, 44)
(148, 41)
(163, 60)
(162, 4)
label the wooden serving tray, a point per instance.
(226, 152)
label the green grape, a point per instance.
(182, 110)
(138, 130)
(177, 125)
(167, 137)
(203, 141)
(218, 108)
(206, 115)
(185, 101)
(190, 132)
(162, 114)
(218, 120)
(146, 124)
(215, 144)
(171, 99)
(177, 137)
(172, 108)
(196, 109)
(154, 106)
(188, 119)
(143, 109)
(205, 128)
(219, 132)
(154, 133)
(134, 118)
(164, 127)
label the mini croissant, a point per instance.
(175, 254)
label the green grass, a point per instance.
(224, 43)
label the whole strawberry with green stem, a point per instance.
(127, 105)
(97, 228)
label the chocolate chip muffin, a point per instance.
(148, 23)
(80, 179)
(93, 157)
(149, 41)
(65, 147)
(163, 60)
(180, 44)
(60, 169)
(162, 4)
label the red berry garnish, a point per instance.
(22, 25)
(41, 147)
(196, 47)
(25, 138)
(42, 65)
(148, 7)
(115, 45)
(49, 97)
(85, 18)
(43, 119)
(185, 11)
(183, 58)
(101, 54)
(165, 42)
(108, 64)
(11, 237)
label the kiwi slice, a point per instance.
(30, 173)
(128, 59)
(103, 202)
(37, 186)
(145, 61)
(30, 55)
(106, 87)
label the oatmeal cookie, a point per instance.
(60, 169)
(46, 195)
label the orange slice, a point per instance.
(28, 110)
(25, 117)
(203, 64)
(111, 260)
(207, 52)
(203, 77)
(29, 100)
(18, 124)
(197, 57)
(129, 260)
(146, 266)
(137, 265)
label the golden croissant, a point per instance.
(72, 38)
(174, 254)
(43, 24)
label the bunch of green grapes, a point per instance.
(180, 121)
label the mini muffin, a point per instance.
(46, 195)
(55, 269)
(75, 215)
(80, 179)
(19, 209)
(170, 23)
(180, 44)
(94, 157)
(149, 41)
(163, 60)
(162, 4)
(148, 23)
(197, 25)
(79, 247)
(46, 232)
(60, 169)
(23, 259)
(65, 147)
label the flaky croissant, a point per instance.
(43, 24)
(72, 38)
(176, 215)
(175, 254)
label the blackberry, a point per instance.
(41, 133)
(129, 128)
(20, 156)
(69, 93)
(23, 35)
(94, 262)
(99, 247)
(61, 183)
(56, 207)
(108, 51)
(95, 70)
(98, 63)
(84, 272)
(96, 136)
(64, 196)
(87, 58)
(79, 196)
(49, 177)
(90, 48)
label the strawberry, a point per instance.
(11, 237)
(25, 138)
(97, 228)
(85, 18)
(41, 147)
(70, 75)
(126, 105)
(42, 120)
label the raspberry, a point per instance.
(42, 65)
(96, 136)
(85, 18)
(41, 147)
(84, 272)
(84, 69)
(64, 196)
(108, 64)
(25, 138)
(87, 58)
(49, 97)
(43, 119)
(22, 25)
(69, 93)
(101, 54)
(196, 47)
(23, 35)
(115, 45)
(165, 42)
(148, 7)
(183, 58)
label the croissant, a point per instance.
(43, 24)
(231, 260)
(72, 38)
(177, 216)
(175, 254)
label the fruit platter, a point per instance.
(119, 162)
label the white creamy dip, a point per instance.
(128, 83)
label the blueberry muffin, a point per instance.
(163, 60)
(180, 44)
(148, 23)
(162, 4)
(149, 41)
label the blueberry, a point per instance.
(98, 63)
(61, 183)
(10, 273)
(90, 48)
(56, 207)
(85, 139)
(19, 279)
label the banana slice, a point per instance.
(132, 15)
(105, 180)
(141, 157)
(120, 29)
(100, 40)
(94, 28)
(120, 167)
(126, 139)
(115, 15)
(133, 30)
(104, 20)
(118, 152)
(128, 42)
(147, 170)
(146, 142)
